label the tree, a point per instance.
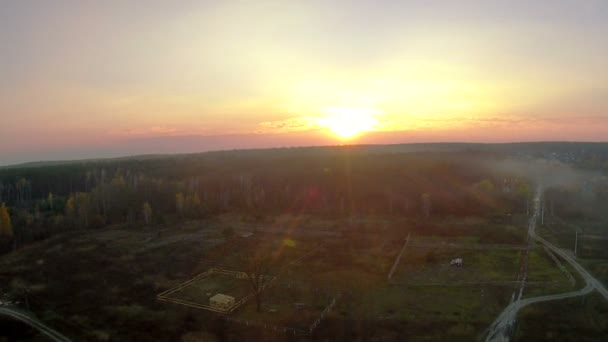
(257, 269)
(70, 207)
(78, 208)
(524, 192)
(24, 190)
(193, 205)
(50, 201)
(179, 203)
(227, 232)
(147, 212)
(6, 225)
(485, 185)
(426, 205)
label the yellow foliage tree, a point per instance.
(485, 185)
(193, 203)
(77, 209)
(179, 203)
(6, 226)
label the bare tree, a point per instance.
(180, 201)
(147, 212)
(257, 269)
(426, 205)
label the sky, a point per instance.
(91, 79)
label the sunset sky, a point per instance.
(88, 79)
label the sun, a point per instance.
(348, 122)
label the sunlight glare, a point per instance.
(347, 122)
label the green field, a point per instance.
(575, 319)
(431, 266)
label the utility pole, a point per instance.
(542, 215)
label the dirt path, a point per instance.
(398, 259)
(503, 327)
(523, 274)
(34, 323)
(456, 245)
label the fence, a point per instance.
(166, 296)
(396, 263)
(316, 323)
(294, 331)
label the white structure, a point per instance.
(221, 301)
(456, 262)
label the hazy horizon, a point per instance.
(179, 145)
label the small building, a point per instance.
(456, 262)
(221, 301)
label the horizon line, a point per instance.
(33, 163)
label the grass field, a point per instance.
(575, 319)
(103, 284)
(436, 312)
(292, 304)
(592, 244)
(431, 266)
(598, 267)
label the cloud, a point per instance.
(328, 118)
(146, 131)
(296, 124)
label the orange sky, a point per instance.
(91, 79)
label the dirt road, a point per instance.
(502, 328)
(34, 323)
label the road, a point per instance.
(34, 323)
(523, 274)
(589, 279)
(503, 326)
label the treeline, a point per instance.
(324, 181)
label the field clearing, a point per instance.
(208, 285)
(598, 267)
(574, 319)
(232, 254)
(431, 266)
(141, 263)
(541, 268)
(290, 304)
(336, 268)
(106, 281)
(437, 313)
(545, 277)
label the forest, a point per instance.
(42, 200)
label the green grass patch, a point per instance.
(431, 266)
(291, 304)
(575, 319)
